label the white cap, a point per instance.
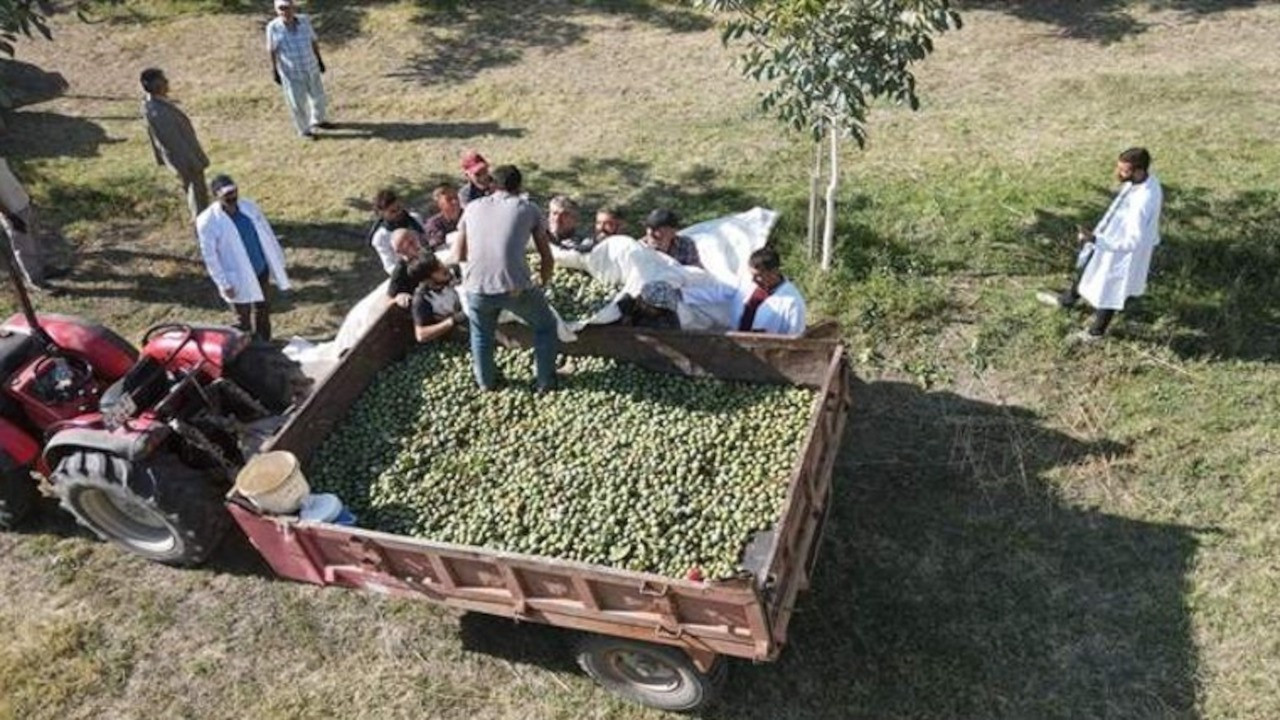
(283, 3)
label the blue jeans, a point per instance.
(531, 307)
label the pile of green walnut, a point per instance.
(576, 295)
(621, 466)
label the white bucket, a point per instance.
(273, 482)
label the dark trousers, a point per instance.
(1101, 317)
(255, 318)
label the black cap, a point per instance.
(662, 217)
(219, 183)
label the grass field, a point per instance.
(1022, 529)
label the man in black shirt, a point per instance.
(407, 246)
(436, 307)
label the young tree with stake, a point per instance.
(826, 62)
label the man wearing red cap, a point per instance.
(479, 181)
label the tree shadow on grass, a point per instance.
(336, 22)
(1101, 21)
(26, 84)
(952, 582)
(634, 187)
(177, 277)
(32, 135)
(1214, 278)
(465, 39)
(408, 132)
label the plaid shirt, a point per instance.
(684, 251)
(294, 53)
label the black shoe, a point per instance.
(57, 272)
(326, 125)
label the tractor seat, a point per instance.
(145, 384)
(16, 350)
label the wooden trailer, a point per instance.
(657, 640)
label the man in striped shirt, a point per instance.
(296, 66)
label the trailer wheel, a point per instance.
(160, 509)
(655, 675)
(18, 495)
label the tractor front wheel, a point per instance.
(159, 509)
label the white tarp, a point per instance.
(724, 244)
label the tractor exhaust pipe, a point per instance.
(24, 298)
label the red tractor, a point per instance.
(140, 447)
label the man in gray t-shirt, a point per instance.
(493, 233)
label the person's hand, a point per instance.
(459, 318)
(403, 299)
(1083, 234)
(321, 64)
(275, 75)
(230, 292)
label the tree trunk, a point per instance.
(814, 178)
(833, 184)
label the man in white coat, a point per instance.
(769, 302)
(1116, 256)
(242, 255)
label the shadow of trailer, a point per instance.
(660, 641)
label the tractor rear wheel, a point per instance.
(159, 509)
(18, 494)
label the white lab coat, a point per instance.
(381, 242)
(226, 259)
(782, 313)
(1124, 241)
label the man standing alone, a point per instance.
(242, 255)
(173, 140)
(492, 236)
(1115, 256)
(296, 66)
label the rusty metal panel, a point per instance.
(795, 544)
(719, 617)
(387, 340)
(751, 357)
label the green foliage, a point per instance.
(21, 18)
(828, 60)
(622, 466)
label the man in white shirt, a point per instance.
(242, 255)
(768, 303)
(392, 216)
(1115, 256)
(296, 66)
